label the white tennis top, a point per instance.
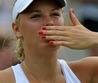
(69, 76)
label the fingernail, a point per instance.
(40, 32)
(44, 37)
(51, 42)
(72, 10)
(44, 27)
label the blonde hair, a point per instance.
(18, 49)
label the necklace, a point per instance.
(54, 80)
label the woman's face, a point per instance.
(39, 13)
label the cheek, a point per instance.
(29, 30)
(28, 27)
(62, 21)
(59, 21)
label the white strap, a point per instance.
(69, 76)
(20, 76)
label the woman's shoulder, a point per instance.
(7, 76)
(88, 62)
(86, 68)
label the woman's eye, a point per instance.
(55, 14)
(35, 16)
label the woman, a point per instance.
(39, 28)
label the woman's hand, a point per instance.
(74, 37)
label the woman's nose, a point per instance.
(49, 21)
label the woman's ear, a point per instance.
(16, 30)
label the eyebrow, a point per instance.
(35, 11)
(40, 11)
(56, 9)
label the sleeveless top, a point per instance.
(69, 76)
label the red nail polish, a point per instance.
(44, 27)
(51, 42)
(72, 10)
(44, 37)
(40, 32)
